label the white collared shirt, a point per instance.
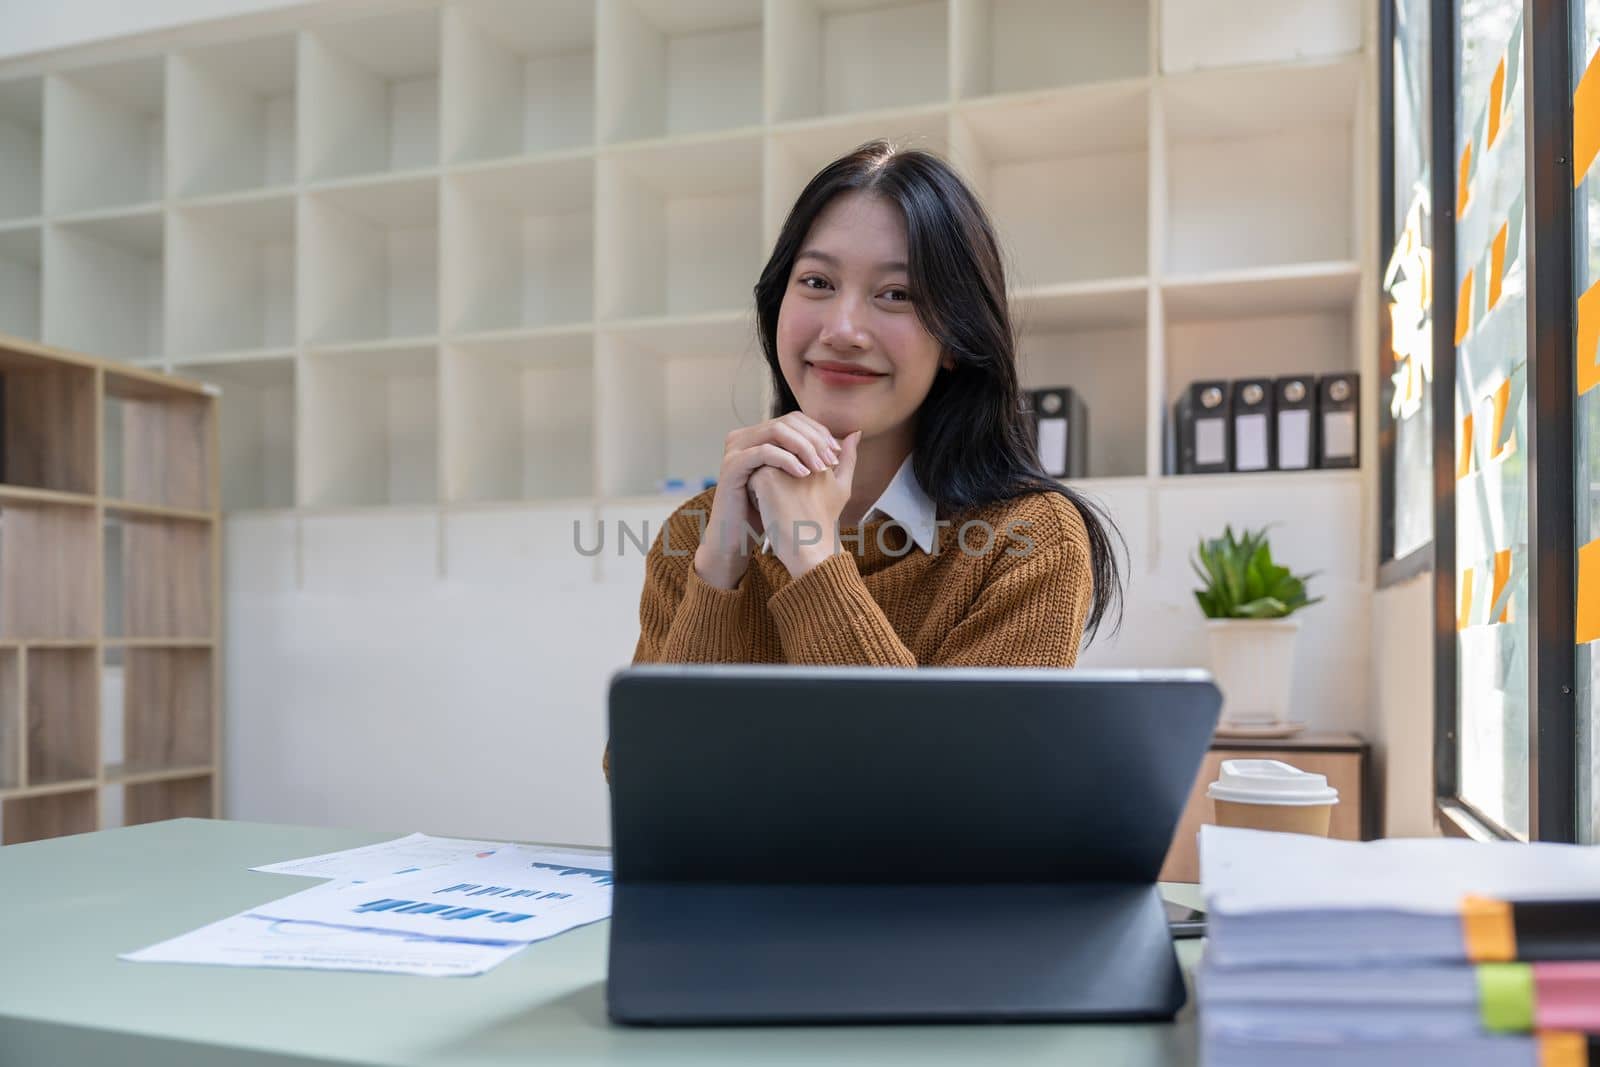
(903, 501)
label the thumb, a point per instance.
(845, 472)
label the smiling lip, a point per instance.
(844, 373)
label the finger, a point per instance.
(770, 455)
(822, 433)
(846, 470)
(803, 445)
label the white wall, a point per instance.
(29, 26)
(1402, 670)
(420, 675)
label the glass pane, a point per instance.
(1408, 283)
(1586, 436)
(1491, 416)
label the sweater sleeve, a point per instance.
(683, 618)
(827, 617)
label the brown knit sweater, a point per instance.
(1010, 606)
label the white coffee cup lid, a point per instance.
(1270, 781)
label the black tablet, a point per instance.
(853, 844)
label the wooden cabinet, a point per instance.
(1343, 758)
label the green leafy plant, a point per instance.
(1242, 582)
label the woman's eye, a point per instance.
(899, 296)
(808, 279)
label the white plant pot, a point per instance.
(1252, 661)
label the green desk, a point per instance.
(68, 906)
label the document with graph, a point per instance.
(249, 941)
(525, 895)
(455, 920)
(405, 855)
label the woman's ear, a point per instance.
(948, 362)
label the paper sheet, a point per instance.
(416, 852)
(1249, 870)
(537, 893)
(523, 895)
(252, 941)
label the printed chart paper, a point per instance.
(252, 941)
(514, 897)
(405, 855)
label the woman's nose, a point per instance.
(843, 326)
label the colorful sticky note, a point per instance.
(1585, 122)
(1506, 997)
(1497, 264)
(1488, 929)
(1588, 628)
(1464, 600)
(1497, 102)
(1464, 449)
(1563, 1048)
(1463, 190)
(1500, 598)
(1587, 356)
(1501, 444)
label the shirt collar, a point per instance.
(904, 501)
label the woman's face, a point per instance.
(850, 344)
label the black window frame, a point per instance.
(1551, 30)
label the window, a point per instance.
(1406, 412)
(1586, 428)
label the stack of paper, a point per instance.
(1432, 951)
(418, 905)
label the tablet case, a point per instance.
(859, 844)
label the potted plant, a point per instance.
(1249, 602)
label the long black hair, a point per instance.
(974, 439)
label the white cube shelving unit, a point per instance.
(678, 229)
(668, 395)
(471, 252)
(21, 148)
(1065, 178)
(369, 264)
(1013, 46)
(519, 246)
(104, 136)
(103, 285)
(370, 96)
(21, 270)
(520, 417)
(370, 426)
(233, 264)
(835, 57)
(669, 69)
(515, 85)
(233, 117)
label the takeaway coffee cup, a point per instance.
(1266, 794)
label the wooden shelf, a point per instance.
(48, 814)
(128, 509)
(18, 494)
(121, 775)
(108, 558)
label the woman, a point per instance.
(895, 512)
